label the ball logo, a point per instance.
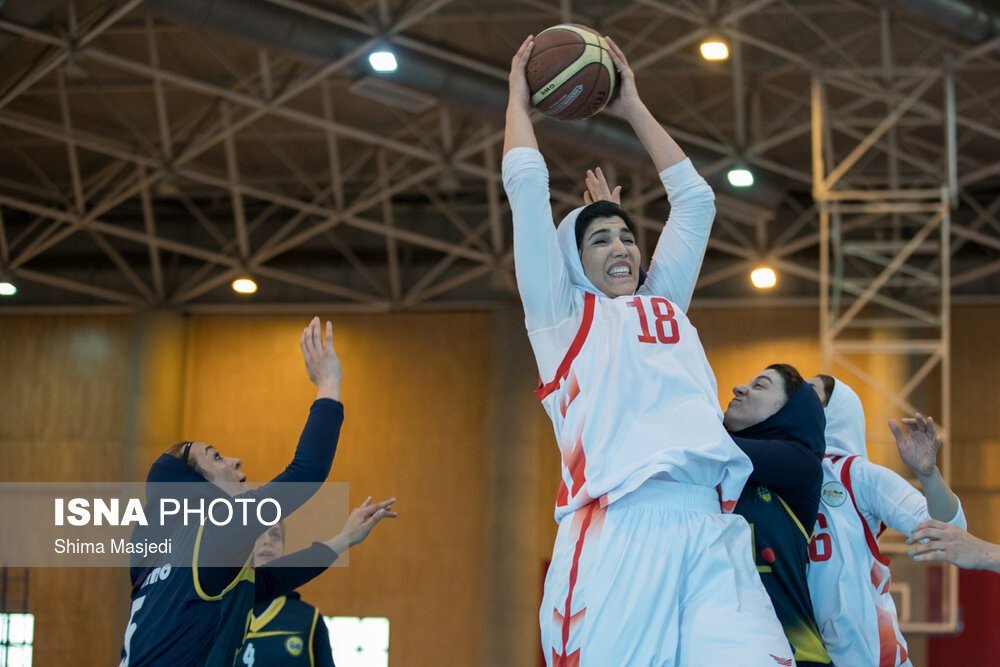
(834, 494)
(567, 99)
(764, 494)
(294, 645)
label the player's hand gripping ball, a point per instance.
(570, 73)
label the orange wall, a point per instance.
(96, 397)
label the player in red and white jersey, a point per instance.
(848, 575)
(649, 568)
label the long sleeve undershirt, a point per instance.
(883, 496)
(791, 470)
(283, 575)
(308, 469)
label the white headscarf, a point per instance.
(845, 422)
(566, 233)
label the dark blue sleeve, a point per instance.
(309, 468)
(283, 575)
(790, 469)
(322, 651)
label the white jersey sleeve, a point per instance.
(884, 496)
(552, 306)
(680, 250)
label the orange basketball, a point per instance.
(570, 73)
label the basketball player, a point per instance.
(649, 567)
(939, 541)
(848, 575)
(285, 631)
(777, 420)
(197, 616)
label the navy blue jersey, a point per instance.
(287, 632)
(780, 502)
(780, 545)
(199, 615)
(174, 620)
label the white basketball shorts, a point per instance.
(659, 577)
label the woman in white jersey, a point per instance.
(648, 568)
(848, 575)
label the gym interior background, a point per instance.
(156, 151)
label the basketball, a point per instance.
(570, 73)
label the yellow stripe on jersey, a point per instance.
(807, 643)
(312, 632)
(794, 518)
(259, 622)
(246, 573)
(271, 633)
(591, 51)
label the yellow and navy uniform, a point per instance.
(185, 608)
(781, 550)
(780, 502)
(286, 633)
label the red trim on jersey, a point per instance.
(573, 658)
(574, 349)
(845, 478)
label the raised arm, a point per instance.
(518, 131)
(918, 446)
(884, 496)
(313, 458)
(542, 278)
(284, 575)
(677, 259)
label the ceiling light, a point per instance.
(244, 285)
(714, 49)
(7, 289)
(382, 61)
(763, 277)
(740, 177)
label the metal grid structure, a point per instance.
(158, 149)
(885, 252)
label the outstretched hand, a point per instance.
(599, 190)
(322, 362)
(518, 78)
(938, 541)
(918, 445)
(627, 102)
(361, 522)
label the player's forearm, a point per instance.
(518, 130)
(660, 146)
(284, 575)
(329, 389)
(992, 560)
(942, 503)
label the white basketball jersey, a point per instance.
(849, 578)
(634, 398)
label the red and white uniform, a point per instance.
(634, 406)
(848, 575)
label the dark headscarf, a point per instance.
(801, 420)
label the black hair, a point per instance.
(829, 382)
(600, 209)
(182, 452)
(791, 377)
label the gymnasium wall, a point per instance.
(440, 413)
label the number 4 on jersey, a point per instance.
(663, 313)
